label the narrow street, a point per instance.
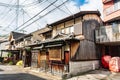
(16, 73)
(12, 72)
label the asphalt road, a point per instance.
(8, 72)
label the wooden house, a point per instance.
(13, 36)
(29, 48)
(25, 53)
(11, 47)
(39, 55)
(71, 48)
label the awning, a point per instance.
(10, 50)
(56, 45)
(37, 48)
(60, 40)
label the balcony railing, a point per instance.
(111, 9)
(107, 34)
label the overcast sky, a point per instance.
(29, 8)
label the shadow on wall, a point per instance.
(19, 76)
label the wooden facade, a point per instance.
(39, 56)
(79, 46)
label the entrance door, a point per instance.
(44, 60)
(26, 58)
(66, 67)
(34, 62)
(67, 57)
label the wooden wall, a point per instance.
(74, 47)
(89, 29)
(55, 53)
(87, 48)
(85, 51)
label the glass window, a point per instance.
(102, 30)
(63, 30)
(116, 4)
(115, 28)
(67, 30)
(72, 29)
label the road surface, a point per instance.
(8, 72)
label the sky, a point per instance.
(29, 8)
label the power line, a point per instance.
(36, 5)
(10, 23)
(44, 15)
(5, 9)
(29, 15)
(9, 5)
(67, 8)
(37, 14)
(60, 9)
(9, 8)
(17, 13)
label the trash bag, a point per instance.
(105, 61)
(114, 64)
(19, 63)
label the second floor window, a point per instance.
(116, 4)
(47, 35)
(67, 30)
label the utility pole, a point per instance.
(17, 13)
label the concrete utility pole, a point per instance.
(17, 13)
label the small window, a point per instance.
(115, 28)
(72, 29)
(63, 30)
(116, 4)
(102, 30)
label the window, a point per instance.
(115, 28)
(102, 30)
(55, 53)
(63, 31)
(72, 29)
(67, 30)
(116, 4)
(47, 35)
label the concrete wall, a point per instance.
(82, 66)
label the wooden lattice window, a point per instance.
(55, 53)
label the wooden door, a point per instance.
(26, 57)
(66, 57)
(44, 60)
(34, 62)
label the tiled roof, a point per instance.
(16, 35)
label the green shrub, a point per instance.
(10, 63)
(9, 54)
